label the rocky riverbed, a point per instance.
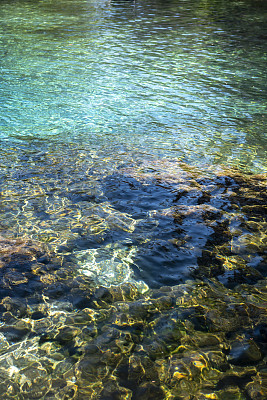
(147, 282)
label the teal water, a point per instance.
(133, 200)
(179, 78)
(91, 88)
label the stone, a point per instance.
(244, 352)
(147, 391)
(67, 334)
(15, 306)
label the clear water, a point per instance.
(89, 87)
(184, 79)
(133, 199)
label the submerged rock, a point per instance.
(151, 352)
(82, 323)
(244, 352)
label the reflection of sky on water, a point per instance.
(167, 78)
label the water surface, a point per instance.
(133, 200)
(177, 78)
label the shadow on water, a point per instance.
(201, 225)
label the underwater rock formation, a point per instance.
(198, 331)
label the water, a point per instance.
(180, 79)
(133, 199)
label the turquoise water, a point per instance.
(133, 200)
(177, 78)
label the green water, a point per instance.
(133, 200)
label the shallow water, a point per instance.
(133, 200)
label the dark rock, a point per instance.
(14, 335)
(16, 307)
(155, 348)
(91, 349)
(66, 334)
(13, 277)
(38, 315)
(44, 259)
(103, 294)
(163, 302)
(149, 391)
(79, 301)
(92, 368)
(89, 332)
(55, 291)
(244, 352)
